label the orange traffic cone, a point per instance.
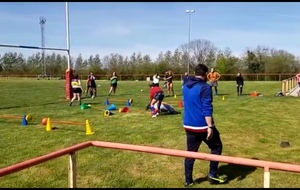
(180, 104)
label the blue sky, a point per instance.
(149, 28)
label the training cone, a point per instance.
(29, 118)
(180, 104)
(111, 107)
(88, 129)
(175, 96)
(85, 106)
(223, 98)
(106, 102)
(24, 121)
(128, 103)
(48, 125)
(108, 113)
(254, 94)
(124, 110)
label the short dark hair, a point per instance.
(76, 76)
(201, 70)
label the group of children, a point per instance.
(156, 93)
(91, 86)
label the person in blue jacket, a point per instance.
(199, 124)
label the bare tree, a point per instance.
(201, 51)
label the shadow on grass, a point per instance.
(200, 179)
(233, 171)
(169, 114)
(68, 129)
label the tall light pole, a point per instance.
(189, 43)
(43, 65)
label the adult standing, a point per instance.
(199, 124)
(213, 77)
(239, 84)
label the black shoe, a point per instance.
(216, 179)
(70, 104)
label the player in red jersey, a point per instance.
(156, 96)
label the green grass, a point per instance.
(250, 128)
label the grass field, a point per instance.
(250, 128)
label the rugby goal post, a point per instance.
(69, 71)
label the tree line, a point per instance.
(256, 60)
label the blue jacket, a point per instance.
(185, 79)
(197, 101)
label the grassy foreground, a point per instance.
(250, 128)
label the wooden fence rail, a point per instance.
(288, 84)
(267, 165)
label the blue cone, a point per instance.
(128, 103)
(24, 121)
(106, 102)
(111, 107)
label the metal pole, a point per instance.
(68, 35)
(189, 44)
(42, 23)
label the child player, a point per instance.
(91, 85)
(76, 89)
(156, 96)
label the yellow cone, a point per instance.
(175, 96)
(29, 117)
(106, 113)
(48, 125)
(88, 129)
(223, 98)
